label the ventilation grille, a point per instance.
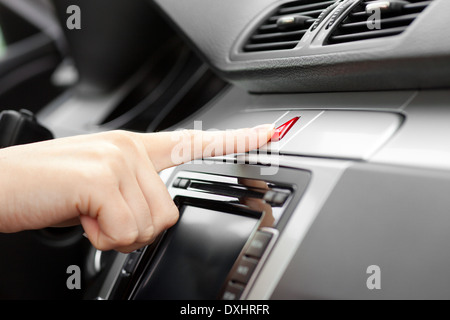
(362, 25)
(278, 36)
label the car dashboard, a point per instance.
(351, 202)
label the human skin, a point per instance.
(108, 182)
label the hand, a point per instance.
(108, 181)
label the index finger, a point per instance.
(168, 149)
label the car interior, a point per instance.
(350, 201)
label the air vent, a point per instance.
(286, 26)
(376, 19)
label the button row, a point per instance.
(246, 266)
(275, 198)
(181, 183)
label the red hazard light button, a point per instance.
(282, 130)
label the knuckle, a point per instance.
(147, 235)
(102, 243)
(124, 145)
(127, 239)
(119, 136)
(124, 140)
(112, 160)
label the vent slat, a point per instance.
(312, 6)
(355, 26)
(417, 6)
(268, 28)
(313, 14)
(269, 36)
(405, 20)
(367, 35)
(293, 35)
(270, 46)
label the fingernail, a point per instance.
(85, 235)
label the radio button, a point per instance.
(184, 183)
(280, 198)
(258, 244)
(176, 183)
(233, 291)
(181, 183)
(244, 270)
(269, 195)
(131, 262)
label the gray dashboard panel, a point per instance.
(416, 59)
(344, 134)
(339, 125)
(424, 140)
(395, 218)
(236, 103)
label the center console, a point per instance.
(229, 221)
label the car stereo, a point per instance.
(230, 218)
